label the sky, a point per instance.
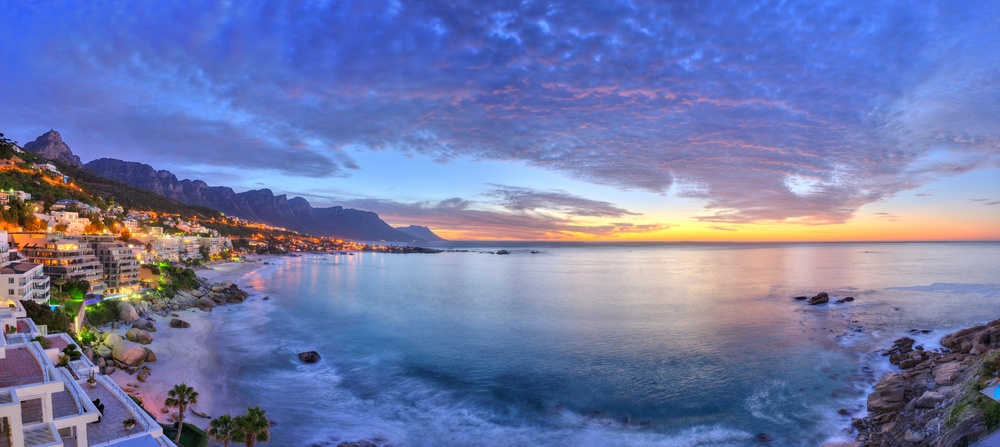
(556, 120)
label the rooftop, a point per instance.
(20, 367)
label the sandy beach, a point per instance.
(187, 355)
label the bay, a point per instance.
(590, 344)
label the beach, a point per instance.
(187, 355)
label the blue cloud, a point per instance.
(734, 103)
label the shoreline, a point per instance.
(188, 355)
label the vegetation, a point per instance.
(222, 429)
(192, 436)
(972, 401)
(252, 427)
(180, 397)
(102, 312)
(42, 341)
(58, 321)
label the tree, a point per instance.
(180, 397)
(222, 429)
(252, 427)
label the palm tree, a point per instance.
(180, 397)
(222, 429)
(252, 427)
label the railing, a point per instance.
(137, 413)
(72, 387)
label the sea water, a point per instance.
(590, 344)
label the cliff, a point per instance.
(50, 145)
(422, 233)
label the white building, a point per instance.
(21, 280)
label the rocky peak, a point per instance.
(50, 145)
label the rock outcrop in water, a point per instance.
(934, 399)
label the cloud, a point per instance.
(525, 199)
(992, 203)
(477, 221)
(765, 113)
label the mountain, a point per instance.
(422, 233)
(50, 145)
(257, 205)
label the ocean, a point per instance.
(590, 344)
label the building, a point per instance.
(21, 280)
(119, 261)
(216, 245)
(63, 258)
(45, 405)
(71, 219)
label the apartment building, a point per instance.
(63, 258)
(119, 263)
(21, 280)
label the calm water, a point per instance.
(590, 345)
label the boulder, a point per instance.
(127, 313)
(150, 355)
(139, 336)
(178, 323)
(820, 298)
(143, 373)
(913, 436)
(103, 351)
(888, 394)
(129, 353)
(111, 340)
(205, 303)
(946, 373)
(929, 399)
(145, 325)
(218, 289)
(841, 444)
(108, 370)
(362, 443)
(309, 356)
(197, 293)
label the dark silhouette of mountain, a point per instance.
(50, 145)
(422, 233)
(258, 205)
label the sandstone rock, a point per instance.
(929, 399)
(145, 325)
(888, 394)
(309, 357)
(197, 293)
(139, 336)
(218, 289)
(108, 370)
(111, 340)
(127, 313)
(129, 353)
(946, 373)
(205, 303)
(143, 373)
(820, 298)
(178, 323)
(150, 355)
(104, 351)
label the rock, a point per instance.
(842, 444)
(143, 373)
(929, 399)
(129, 353)
(127, 313)
(108, 370)
(503, 252)
(913, 436)
(900, 350)
(104, 351)
(178, 323)
(145, 325)
(764, 437)
(964, 432)
(205, 303)
(197, 293)
(218, 289)
(150, 355)
(139, 336)
(100, 362)
(946, 373)
(888, 394)
(309, 357)
(820, 298)
(801, 298)
(267, 298)
(848, 299)
(111, 340)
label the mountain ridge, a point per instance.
(259, 205)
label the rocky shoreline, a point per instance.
(934, 399)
